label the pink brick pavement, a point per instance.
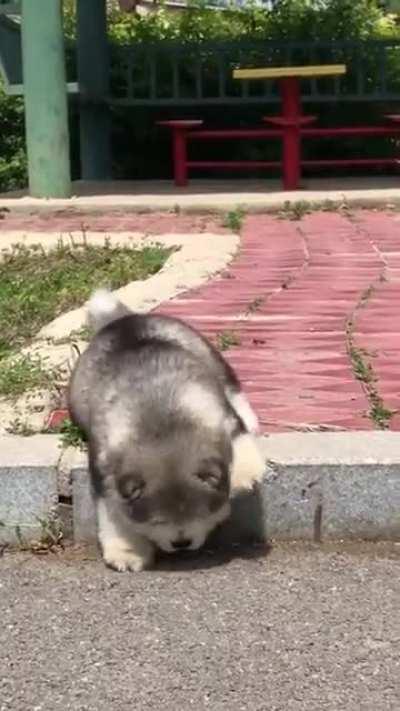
(289, 296)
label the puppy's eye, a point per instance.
(131, 488)
(212, 478)
(136, 493)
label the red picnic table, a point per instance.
(292, 118)
(286, 127)
(290, 127)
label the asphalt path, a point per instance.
(299, 627)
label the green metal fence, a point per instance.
(174, 73)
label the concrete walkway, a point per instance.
(308, 310)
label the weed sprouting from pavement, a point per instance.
(71, 435)
(226, 340)
(234, 219)
(364, 372)
(295, 210)
(20, 427)
(51, 536)
(255, 305)
(298, 209)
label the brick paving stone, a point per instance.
(378, 324)
(302, 282)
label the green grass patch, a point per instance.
(234, 219)
(226, 340)
(72, 435)
(36, 287)
(21, 373)
(295, 211)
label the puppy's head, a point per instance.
(177, 490)
(170, 470)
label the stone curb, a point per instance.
(317, 486)
(198, 203)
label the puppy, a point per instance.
(170, 434)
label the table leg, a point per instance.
(180, 156)
(291, 113)
(291, 158)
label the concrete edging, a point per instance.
(316, 486)
(208, 196)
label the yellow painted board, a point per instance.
(320, 70)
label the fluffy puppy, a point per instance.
(170, 434)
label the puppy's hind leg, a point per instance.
(120, 551)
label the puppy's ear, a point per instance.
(248, 463)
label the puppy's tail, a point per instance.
(104, 308)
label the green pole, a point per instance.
(45, 91)
(93, 80)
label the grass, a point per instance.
(226, 340)
(50, 538)
(234, 219)
(37, 286)
(21, 373)
(72, 435)
(295, 210)
(20, 427)
(364, 372)
(361, 368)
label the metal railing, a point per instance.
(173, 73)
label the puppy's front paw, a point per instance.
(248, 466)
(123, 556)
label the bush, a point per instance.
(288, 20)
(13, 163)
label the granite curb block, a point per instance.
(317, 486)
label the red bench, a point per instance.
(184, 132)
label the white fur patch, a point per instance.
(248, 464)
(202, 405)
(101, 308)
(122, 552)
(119, 430)
(243, 409)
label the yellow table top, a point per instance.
(319, 70)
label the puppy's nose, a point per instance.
(181, 543)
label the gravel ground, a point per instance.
(300, 628)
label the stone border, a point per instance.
(207, 196)
(317, 486)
